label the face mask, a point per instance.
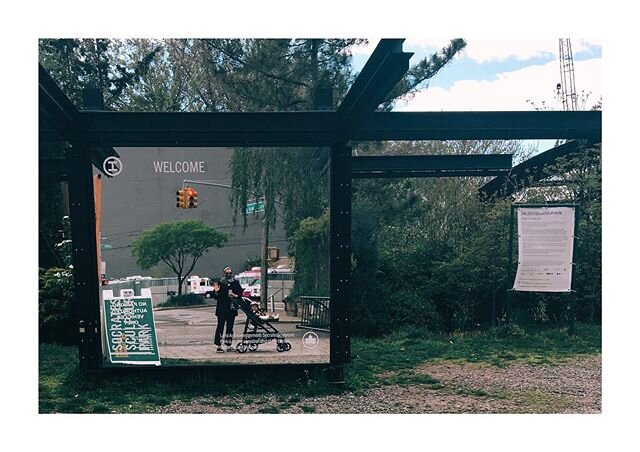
(227, 275)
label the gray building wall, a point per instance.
(143, 195)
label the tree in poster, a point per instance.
(179, 244)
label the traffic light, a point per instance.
(192, 198)
(181, 198)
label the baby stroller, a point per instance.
(257, 330)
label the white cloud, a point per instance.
(432, 42)
(484, 50)
(510, 91)
(365, 49)
(409, 44)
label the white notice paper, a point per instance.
(545, 249)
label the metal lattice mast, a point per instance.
(567, 77)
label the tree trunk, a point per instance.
(314, 72)
(317, 273)
(493, 308)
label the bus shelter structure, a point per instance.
(91, 135)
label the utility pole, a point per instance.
(265, 256)
(567, 86)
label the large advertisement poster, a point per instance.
(170, 226)
(545, 249)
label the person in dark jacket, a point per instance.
(225, 292)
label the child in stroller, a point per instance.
(258, 330)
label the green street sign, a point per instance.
(253, 207)
(130, 333)
(106, 246)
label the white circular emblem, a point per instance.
(112, 166)
(310, 340)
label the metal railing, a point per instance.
(272, 299)
(315, 313)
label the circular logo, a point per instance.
(112, 166)
(310, 340)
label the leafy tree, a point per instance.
(285, 75)
(427, 251)
(576, 179)
(178, 244)
(55, 306)
(311, 241)
(107, 64)
(110, 65)
(50, 211)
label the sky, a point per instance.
(500, 75)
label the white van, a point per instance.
(247, 277)
(200, 286)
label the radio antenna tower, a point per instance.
(567, 86)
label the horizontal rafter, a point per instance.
(209, 129)
(481, 125)
(321, 128)
(430, 165)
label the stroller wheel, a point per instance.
(253, 347)
(281, 347)
(241, 347)
(287, 346)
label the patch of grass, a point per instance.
(100, 408)
(405, 377)
(472, 392)
(534, 401)
(63, 388)
(225, 404)
(308, 409)
(404, 350)
(269, 410)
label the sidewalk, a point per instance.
(186, 334)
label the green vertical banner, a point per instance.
(130, 330)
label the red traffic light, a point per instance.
(192, 198)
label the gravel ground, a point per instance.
(571, 387)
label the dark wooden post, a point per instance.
(85, 265)
(340, 253)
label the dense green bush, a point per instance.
(508, 331)
(432, 253)
(56, 307)
(311, 243)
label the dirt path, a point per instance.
(572, 387)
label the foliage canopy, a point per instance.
(178, 244)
